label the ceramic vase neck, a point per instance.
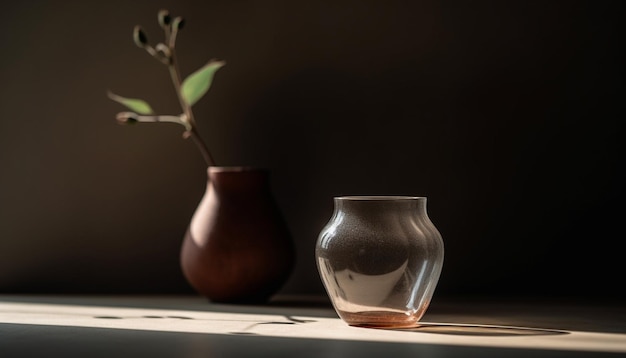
(238, 178)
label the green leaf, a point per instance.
(134, 104)
(199, 82)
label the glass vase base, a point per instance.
(380, 319)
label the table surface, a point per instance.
(190, 326)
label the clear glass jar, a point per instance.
(380, 258)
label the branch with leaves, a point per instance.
(189, 90)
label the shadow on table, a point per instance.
(480, 330)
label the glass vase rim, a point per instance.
(379, 198)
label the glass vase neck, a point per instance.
(380, 202)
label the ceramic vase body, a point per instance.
(237, 247)
(380, 259)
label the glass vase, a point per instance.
(379, 258)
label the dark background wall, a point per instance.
(507, 115)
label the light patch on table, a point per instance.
(305, 327)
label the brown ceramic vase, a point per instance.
(237, 248)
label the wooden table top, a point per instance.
(189, 326)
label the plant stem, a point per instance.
(193, 133)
